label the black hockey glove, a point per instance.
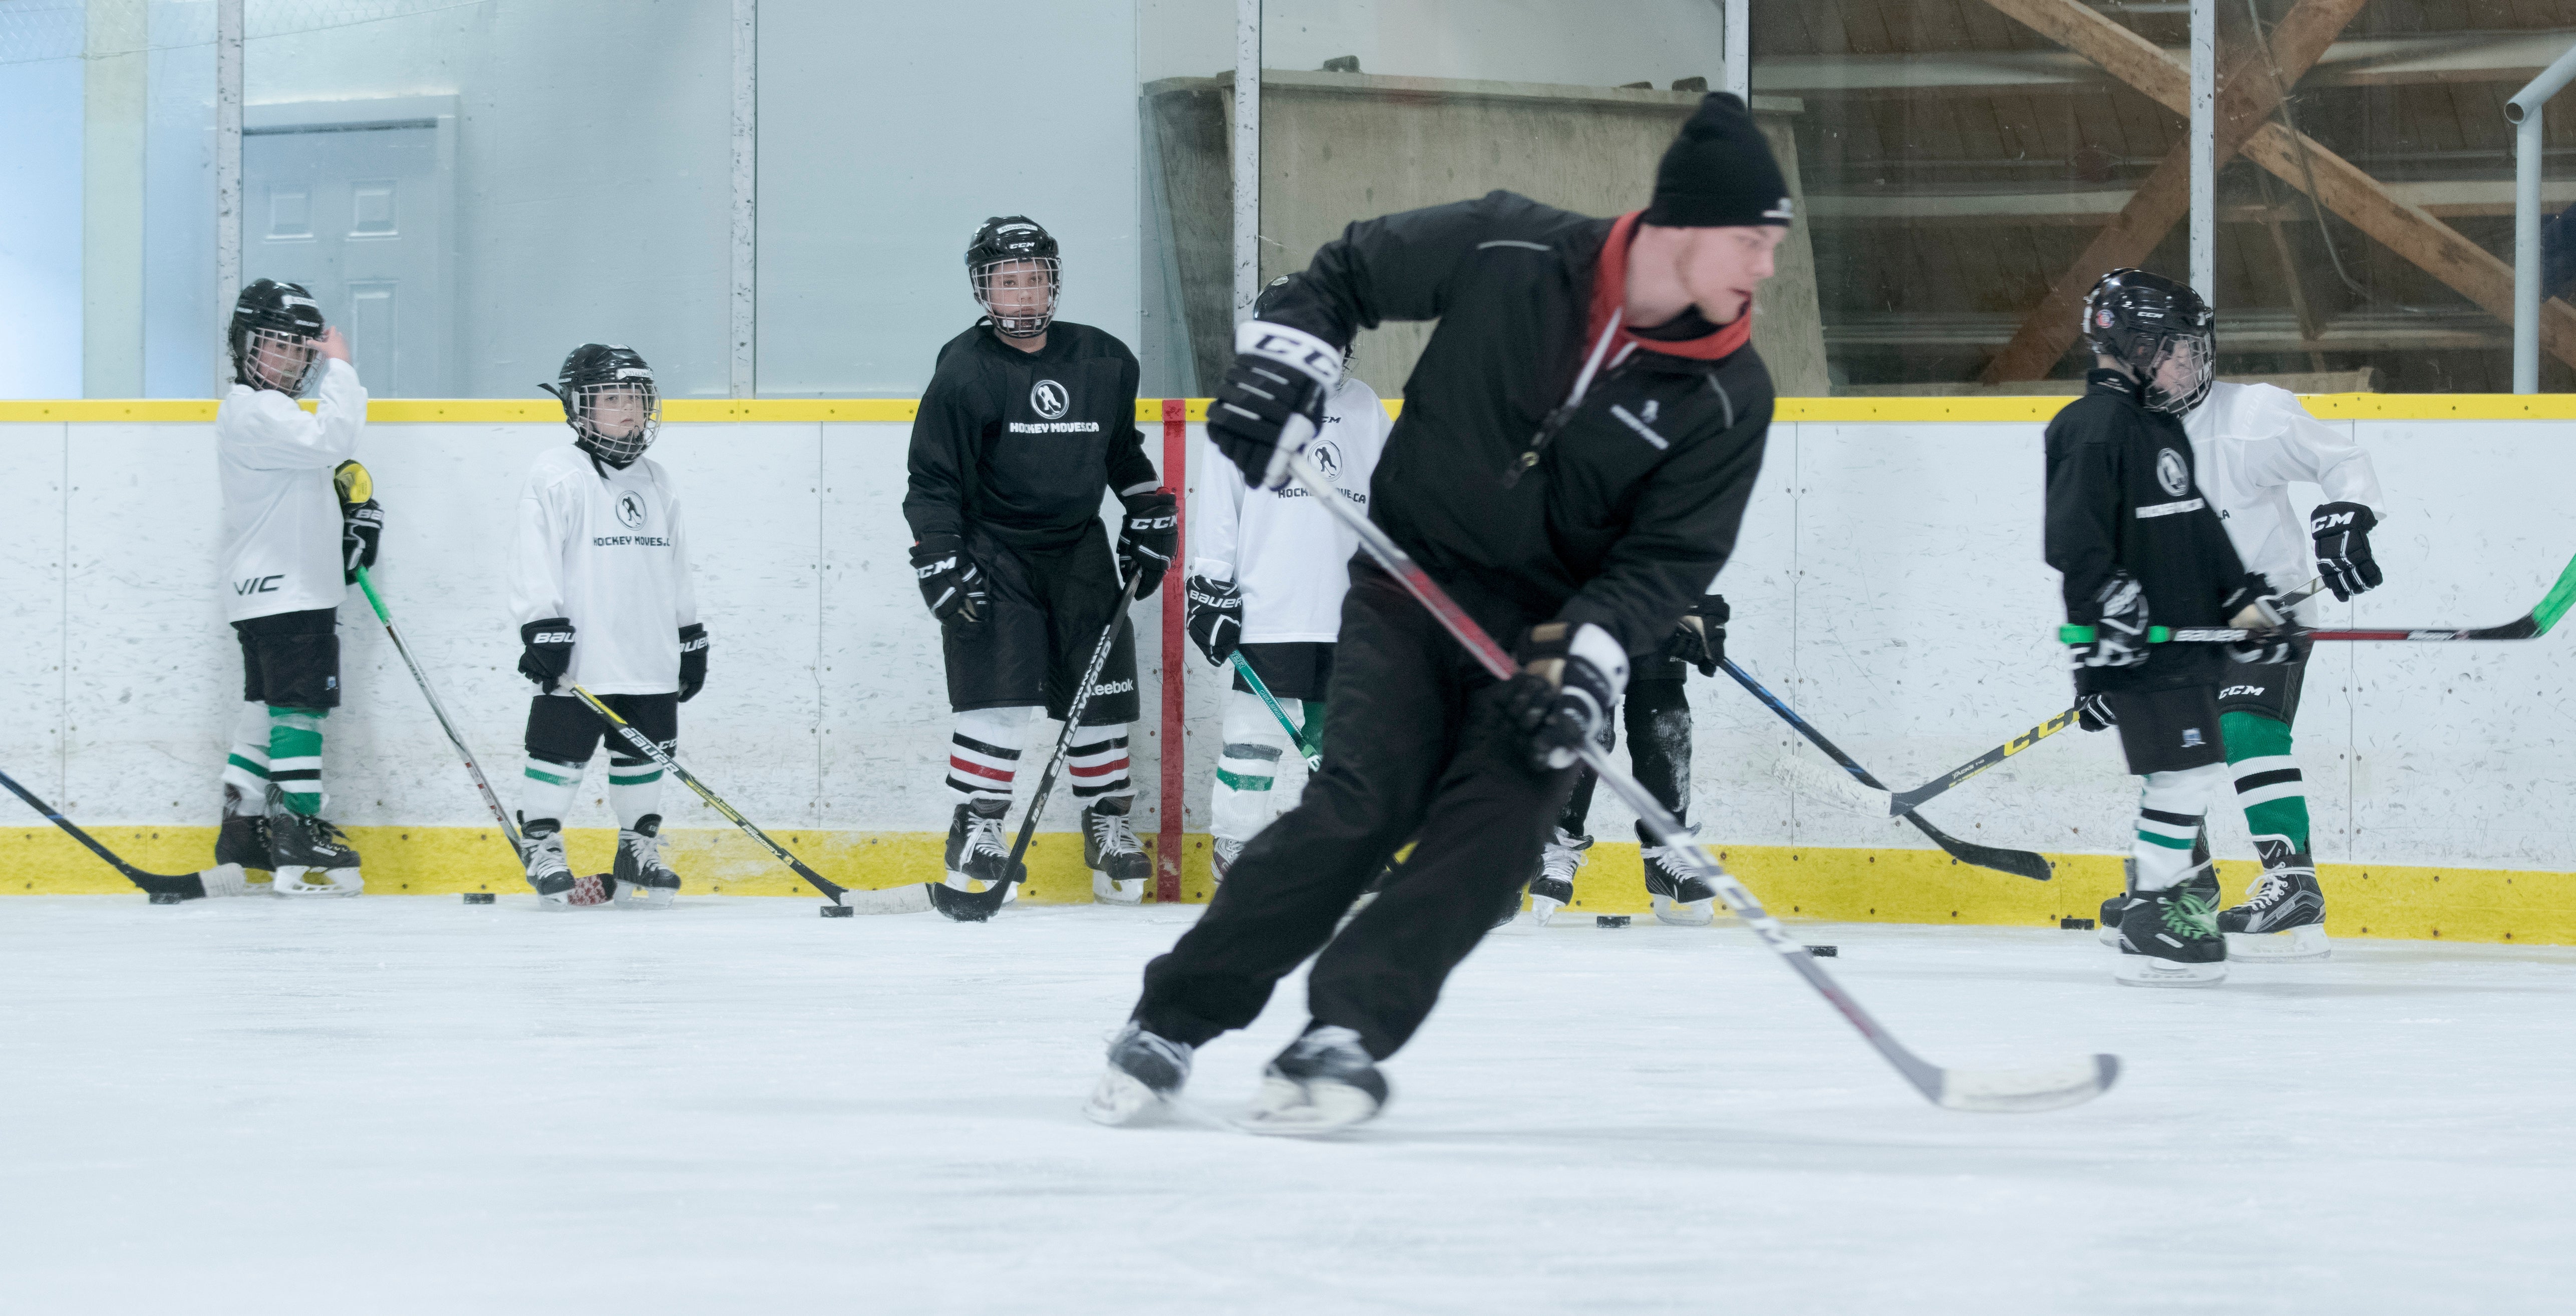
(950, 581)
(1701, 638)
(549, 653)
(2342, 532)
(693, 660)
(2093, 712)
(1570, 677)
(2120, 632)
(1216, 617)
(1272, 400)
(361, 529)
(1148, 537)
(2255, 608)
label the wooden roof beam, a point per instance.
(2474, 57)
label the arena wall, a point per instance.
(1888, 585)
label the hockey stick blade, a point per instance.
(2019, 863)
(220, 880)
(2045, 1088)
(1904, 802)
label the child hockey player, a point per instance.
(2138, 544)
(1578, 443)
(1656, 713)
(599, 582)
(1268, 569)
(290, 548)
(1026, 420)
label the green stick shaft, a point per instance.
(1313, 754)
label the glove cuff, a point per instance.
(1294, 348)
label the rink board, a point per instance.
(1887, 584)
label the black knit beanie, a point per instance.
(1719, 173)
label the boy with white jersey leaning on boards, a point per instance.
(599, 582)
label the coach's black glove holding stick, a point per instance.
(1147, 537)
(693, 660)
(1215, 617)
(2342, 532)
(1700, 640)
(1570, 678)
(549, 652)
(1272, 400)
(950, 581)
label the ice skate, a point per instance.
(1553, 888)
(1145, 1073)
(640, 874)
(2203, 882)
(1678, 894)
(242, 840)
(308, 855)
(1221, 857)
(1119, 869)
(2284, 914)
(2170, 938)
(1325, 1081)
(541, 851)
(976, 851)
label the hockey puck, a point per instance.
(836, 911)
(2076, 924)
(1609, 920)
(479, 897)
(1824, 952)
(167, 898)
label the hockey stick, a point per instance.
(2019, 863)
(2063, 1084)
(1313, 754)
(1904, 802)
(2529, 626)
(220, 880)
(1064, 740)
(509, 829)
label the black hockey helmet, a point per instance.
(1007, 240)
(272, 337)
(2159, 329)
(610, 402)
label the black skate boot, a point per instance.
(1553, 888)
(2284, 914)
(639, 872)
(306, 847)
(1324, 1081)
(243, 837)
(1145, 1072)
(2204, 878)
(976, 851)
(1677, 893)
(541, 851)
(1119, 868)
(2170, 938)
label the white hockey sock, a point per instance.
(548, 790)
(1246, 796)
(984, 753)
(634, 790)
(1097, 763)
(246, 763)
(2171, 808)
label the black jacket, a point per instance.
(2122, 493)
(1633, 504)
(1020, 444)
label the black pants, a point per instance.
(563, 730)
(1657, 715)
(1049, 607)
(291, 659)
(1416, 745)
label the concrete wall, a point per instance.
(1888, 585)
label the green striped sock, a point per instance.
(2268, 784)
(295, 757)
(1244, 783)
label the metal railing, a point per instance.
(2523, 112)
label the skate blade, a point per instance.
(2291, 947)
(2108, 935)
(2148, 971)
(291, 884)
(1304, 1110)
(227, 880)
(1106, 890)
(1543, 910)
(647, 897)
(1121, 1100)
(1696, 914)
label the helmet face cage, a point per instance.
(1009, 276)
(275, 359)
(2178, 372)
(617, 419)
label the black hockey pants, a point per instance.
(1657, 714)
(1416, 746)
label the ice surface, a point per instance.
(414, 1105)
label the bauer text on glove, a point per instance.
(693, 660)
(548, 652)
(1215, 617)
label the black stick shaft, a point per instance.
(1072, 720)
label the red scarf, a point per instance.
(1610, 288)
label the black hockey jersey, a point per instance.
(1020, 444)
(2123, 494)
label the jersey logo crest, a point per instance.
(2172, 473)
(630, 509)
(1328, 459)
(1049, 399)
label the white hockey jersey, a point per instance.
(610, 553)
(2249, 443)
(1288, 555)
(273, 462)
